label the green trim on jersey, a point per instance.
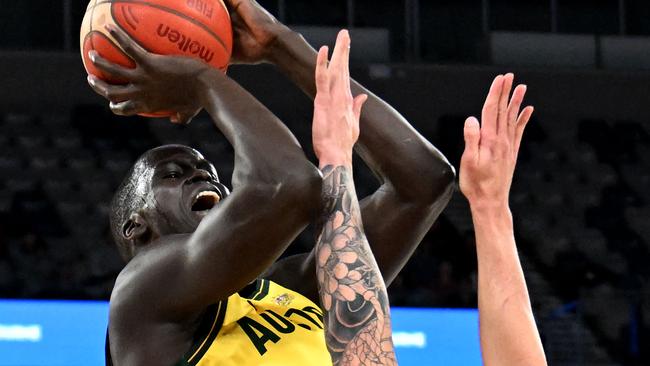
(208, 331)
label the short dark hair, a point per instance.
(127, 200)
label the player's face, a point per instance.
(185, 188)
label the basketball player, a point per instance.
(508, 332)
(183, 294)
(352, 291)
(186, 260)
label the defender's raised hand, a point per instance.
(508, 333)
(491, 149)
(157, 83)
(335, 128)
(347, 274)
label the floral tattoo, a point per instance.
(352, 291)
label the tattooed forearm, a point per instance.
(351, 288)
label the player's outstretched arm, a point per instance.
(348, 276)
(508, 332)
(416, 179)
(275, 188)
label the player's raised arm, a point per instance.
(275, 188)
(508, 332)
(416, 179)
(351, 288)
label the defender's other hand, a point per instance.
(335, 126)
(255, 31)
(158, 83)
(491, 149)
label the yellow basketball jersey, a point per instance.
(264, 324)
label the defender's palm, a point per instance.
(335, 127)
(491, 149)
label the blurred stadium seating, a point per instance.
(583, 236)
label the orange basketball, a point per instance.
(195, 28)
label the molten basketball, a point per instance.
(195, 28)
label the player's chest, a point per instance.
(270, 333)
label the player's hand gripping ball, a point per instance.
(194, 28)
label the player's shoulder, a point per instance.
(136, 309)
(147, 270)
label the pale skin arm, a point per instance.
(347, 274)
(508, 332)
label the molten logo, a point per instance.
(201, 6)
(185, 43)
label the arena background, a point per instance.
(580, 196)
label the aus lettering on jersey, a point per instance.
(275, 325)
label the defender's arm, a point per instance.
(508, 332)
(348, 276)
(275, 188)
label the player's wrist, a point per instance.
(282, 52)
(207, 81)
(335, 159)
(275, 32)
(492, 209)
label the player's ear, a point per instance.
(134, 228)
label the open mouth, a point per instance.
(204, 201)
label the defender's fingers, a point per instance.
(322, 76)
(472, 133)
(345, 58)
(490, 108)
(127, 108)
(502, 119)
(513, 109)
(338, 55)
(358, 102)
(130, 47)
(114, 70)
(522, 122)
(114, 93)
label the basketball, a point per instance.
(194, 28)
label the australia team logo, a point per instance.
(284, 299)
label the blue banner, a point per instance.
(72, 333)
